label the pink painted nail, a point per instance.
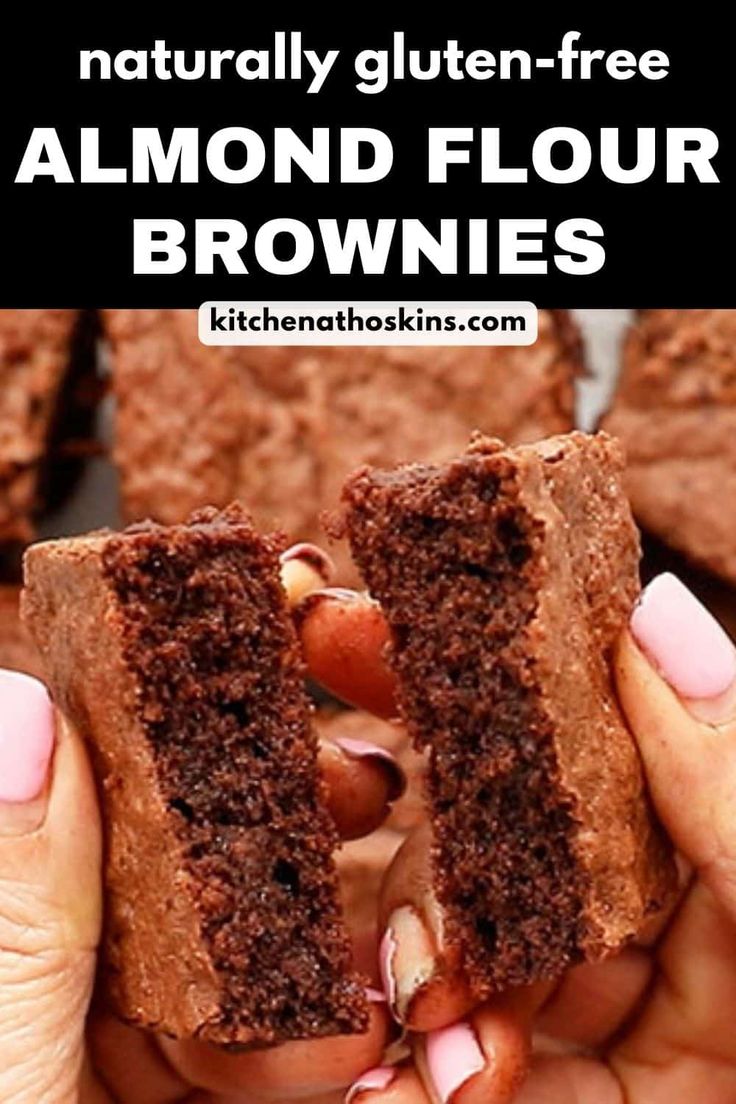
(363, 749)
(380, 1077)
(683, 640)
(26, 737)
(453, 1057)
(375, 996)
(386, 953)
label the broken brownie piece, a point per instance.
(38, 349)
(172, 651)
(675, 411)
(506, 576)
(280, 428)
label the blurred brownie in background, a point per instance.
(280, 428)
(17, 650)
(675, 411)
(43, 354)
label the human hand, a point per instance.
(652, 1025)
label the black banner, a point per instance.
(571, 162)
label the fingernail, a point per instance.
(683, 640)
(374, 996)
(386, 953)
(304, 569)
(380, 1077)
(407, 961)
(314, 556)
(363, 749)
(26, 737)
(453, 1057)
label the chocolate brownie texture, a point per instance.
(281, 428)
(42, 354)
(506, 576)
(675, 411)
(171, 650)
(17, 651)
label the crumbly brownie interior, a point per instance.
(222, 702)
(453, 561)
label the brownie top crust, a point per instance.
(281, 427)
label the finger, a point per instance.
(304, 568)
(357, 724)
(361, 865)
(298, 1069)
(388, 1085)
(683, 1038)
(422, 973)
(91, 1090)
(481, 1060)
(573, 1080)
(676, 676)
(676, 672)
(595, 1000)
(250, 1098)
(49, 896)
(344, 637)
(363, 780)
(131, 1064)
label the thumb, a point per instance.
(49, 897)
(676, 676)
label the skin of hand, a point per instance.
(52, 1051)
(653, 1025)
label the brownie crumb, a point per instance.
(204, 751)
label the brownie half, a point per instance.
(172, 651)
(281, 428)
(675, 411)
(40, 352)
(506, 576)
